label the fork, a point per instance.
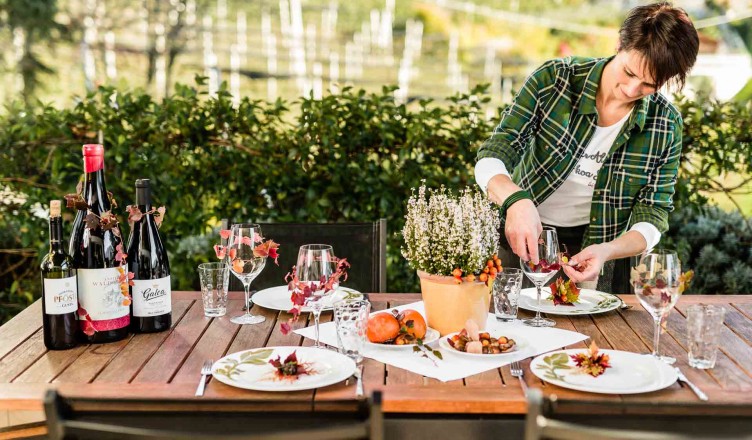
(359, 384)
(206, 370)
(517, 372)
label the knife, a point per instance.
(694, 388)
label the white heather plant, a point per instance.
(444, 231)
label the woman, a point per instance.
(590, 147)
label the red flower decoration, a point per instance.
(592, 362)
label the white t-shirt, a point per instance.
(569, 205)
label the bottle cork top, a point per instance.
(55, 208)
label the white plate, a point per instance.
(591, 302)
(631, 373)
(330, 367)
(519, 343)
(278, 298)
(431, 336)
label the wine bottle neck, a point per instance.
(95, 192)
(143, 198)
(56, 234)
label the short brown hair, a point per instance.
(665, 37)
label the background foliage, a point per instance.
(348, 157)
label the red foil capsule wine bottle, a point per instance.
(104, 313)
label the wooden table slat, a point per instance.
(20, 328)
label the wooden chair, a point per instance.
(72, 418)
(363, 244)
(540, 425)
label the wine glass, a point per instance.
(656, 285)
(541, 273)
(245, 265)
(316, 263)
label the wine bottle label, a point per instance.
(99, 293)
(152, 297)
(60, 295)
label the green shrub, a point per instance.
(717, 245)
(348, 157)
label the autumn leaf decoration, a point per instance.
(564, 293)
(300, 292)
(135, 214)
(592, 362)
(290, 368)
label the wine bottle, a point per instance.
(104, 312)
(151, 309)
(59, 297)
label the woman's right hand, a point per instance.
(523, 225)
(522, 229)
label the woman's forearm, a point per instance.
(627, 245)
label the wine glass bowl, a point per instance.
(656, 280)
(316, 264)
(245, 264)
(549, 263)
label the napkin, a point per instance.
(531, 341)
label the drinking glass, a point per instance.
(704, 325)
(506, 294)
(316, 263)
(214, 280)
(245, 265)
(656, 285)
(351, 320)
(541, 273)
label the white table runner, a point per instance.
(531, 342)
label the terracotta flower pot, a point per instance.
(449, 305)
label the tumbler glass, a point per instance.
(215, 278)
(704, 326)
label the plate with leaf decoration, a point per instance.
(590, 302)
(629, 373)
(278, 298)
(252, 369)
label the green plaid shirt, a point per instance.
(545, 131)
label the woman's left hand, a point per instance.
(586, 266)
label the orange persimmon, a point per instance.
(382, 327)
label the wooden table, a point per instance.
(166, 365)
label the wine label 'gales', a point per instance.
(152, 297)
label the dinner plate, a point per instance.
(590, 303)
(519, 344)
(431, 336)
(250, 369)
(278, 298)
(630, 373)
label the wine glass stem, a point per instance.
(316, 316)
(656, 336)
(247, 287)
(537, 312)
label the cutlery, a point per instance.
(519, 374)
(624, 306)
(206, 370)
(359, 384)
(694, 388)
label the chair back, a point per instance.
(363, 244)
(72, 418)
(540, 425)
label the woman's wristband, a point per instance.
(514, 198)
